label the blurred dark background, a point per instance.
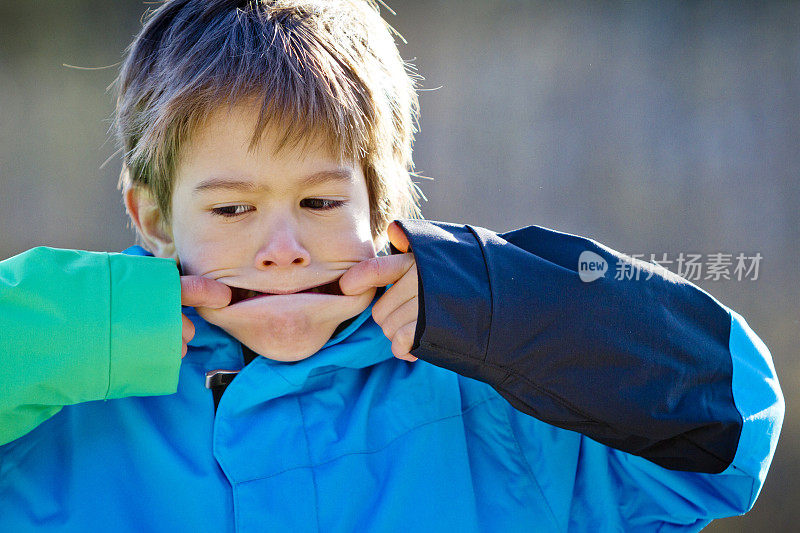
(653, 127)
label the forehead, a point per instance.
(222, 146)
(238, 128)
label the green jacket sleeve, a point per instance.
(77, 326)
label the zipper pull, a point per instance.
(219, 378)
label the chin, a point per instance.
(287, 328)
(287, 340)
(285, 350)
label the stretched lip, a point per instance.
(240, 294)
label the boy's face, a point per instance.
(303, 224)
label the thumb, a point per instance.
(199, 291)
(397, 237)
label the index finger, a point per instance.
(375, 272)
(199, 291)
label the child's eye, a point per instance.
(321, 204)
(229, 211)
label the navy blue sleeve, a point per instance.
(640, 365)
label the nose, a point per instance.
(282, 248)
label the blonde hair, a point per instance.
(317, 67)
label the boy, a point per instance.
(268, 147)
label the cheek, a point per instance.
(359, 235)
(362, 229)
(195, 261)
(344, 240)
(199, 253)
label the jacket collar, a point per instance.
(359, 345)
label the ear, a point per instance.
(143, 211)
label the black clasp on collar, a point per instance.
(217, 381)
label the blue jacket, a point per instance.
(539, 403)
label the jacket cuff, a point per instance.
(145, 326)
(448, 258)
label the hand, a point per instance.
(199, 291)
(396, 311)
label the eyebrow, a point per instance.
(317, 178)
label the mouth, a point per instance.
(240, 294)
